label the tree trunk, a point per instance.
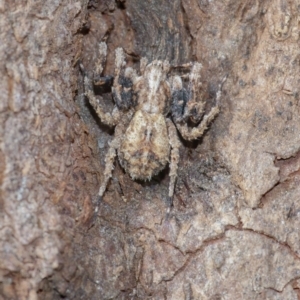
(233, 232)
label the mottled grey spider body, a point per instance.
(147, 105)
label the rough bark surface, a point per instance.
(233, 232)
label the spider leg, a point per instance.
(195, 107)
(194, 110)
(174, 143)
(184, 101)
(179, 99)
(109, 166)
(111, 154)
(123, 82)
(110, 119)
(192, 133)
(143, 65)
(103, 82)
(101, 58)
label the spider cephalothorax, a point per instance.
(149, 106)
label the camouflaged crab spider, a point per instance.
(150, 107)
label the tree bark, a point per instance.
(233, 232)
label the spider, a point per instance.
(149, 109)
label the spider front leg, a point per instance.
(110, 119)
(180, 98)
(191, 109)
(123, 82)
(100, 81)
(184, 102)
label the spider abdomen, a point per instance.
(144, 150)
